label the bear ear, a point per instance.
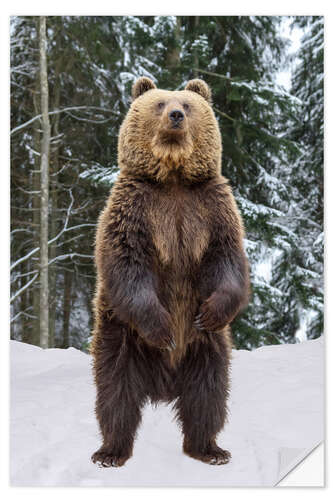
(201, 88)
(141, 86)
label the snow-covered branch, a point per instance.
(21, 290)
(70, 256)
(65, 229)
(35, 250)
(23, 275)
(63, 110)
(22, 313)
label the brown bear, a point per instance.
(171, 275)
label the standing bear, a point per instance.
(171, 275)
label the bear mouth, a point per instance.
(174, 134)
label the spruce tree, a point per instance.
(307, 174)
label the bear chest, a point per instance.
(179, 224)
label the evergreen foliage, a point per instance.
(308, 188)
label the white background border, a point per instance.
(309, 472)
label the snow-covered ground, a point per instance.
(276, 418)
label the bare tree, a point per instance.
(44, 188)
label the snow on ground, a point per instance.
(276, 415)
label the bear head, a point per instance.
(170, 133)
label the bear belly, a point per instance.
(180, 237)
(179, 230)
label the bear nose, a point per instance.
(176, 115)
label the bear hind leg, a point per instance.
(121, 392)
(201, 404)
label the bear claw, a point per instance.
(197, 323)
(221, 458)
(213, 456)
(106, 459)
(172, 345)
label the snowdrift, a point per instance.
(276, 418)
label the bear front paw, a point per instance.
(157, 330)
(211, 316)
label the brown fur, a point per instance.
(171, 275)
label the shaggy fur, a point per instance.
(171, 275)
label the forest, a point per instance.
(70, 87)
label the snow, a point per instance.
(100, 174)
(305, 319)
(267, 258)
(276, 417)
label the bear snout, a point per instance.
(176, 116)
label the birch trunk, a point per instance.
(44, 188)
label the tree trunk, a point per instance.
(195, 50)
(54, 210)
(44, 188)
(172, 61)
(67, 308)
(35, 331)
(26, 337)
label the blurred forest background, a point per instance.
(67, 103)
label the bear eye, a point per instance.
(186, 106)
(161, 105)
